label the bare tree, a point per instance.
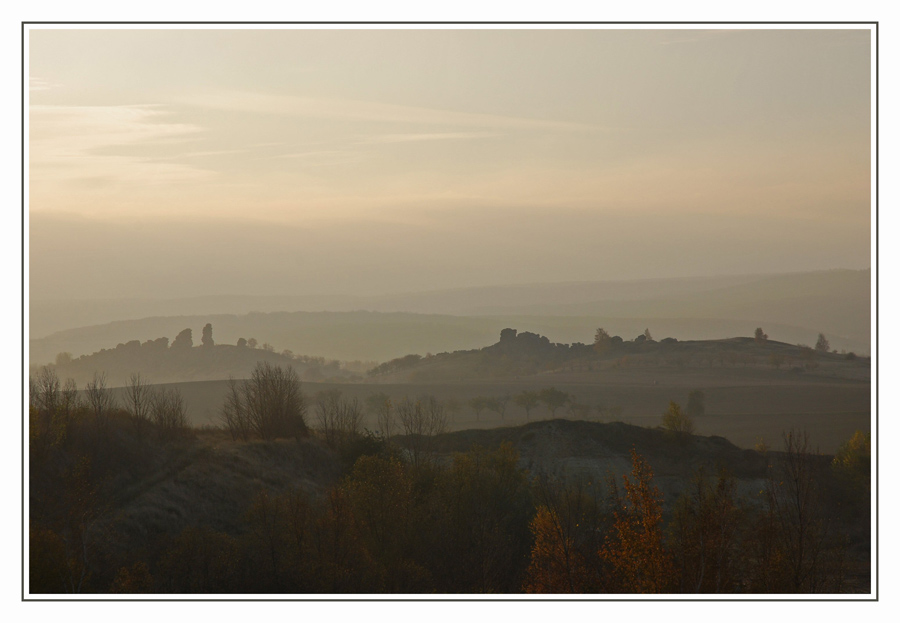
(792, 549)
(138, 397)
(69, 400)
(169, 413)
(380, 404)
(421, 421)
(339, 420)
(99, 397)
(234, 412)
(274, 404)
(47, 390)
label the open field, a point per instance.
(830, 410)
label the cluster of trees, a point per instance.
(528, 353)
(182, 360)
(549, 397)
(57, 407)
(81, 441)
(714, 541)
(603, 341)
(481, 524)
(270, 404)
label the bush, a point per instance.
(269, 404)
(677, 421)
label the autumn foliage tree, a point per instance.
(676, 421)
(565, 528)
(634, 552)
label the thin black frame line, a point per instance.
(467, 599)
(22, 377)
(877, 353)
(877, 344)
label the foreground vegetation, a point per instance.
(397, 514)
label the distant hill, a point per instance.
(157, 362)
(527, 354)
(842, 315)
(792, 307)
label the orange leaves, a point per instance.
(634, 550)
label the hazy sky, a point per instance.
(172, 162)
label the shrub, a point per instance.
(677, 421)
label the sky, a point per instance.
(169, 163)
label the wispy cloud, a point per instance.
(38, 84)
(84, 143)
(358, 110)
(416, 137)
(319, 158)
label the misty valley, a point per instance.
(336, 311)
(616, 466)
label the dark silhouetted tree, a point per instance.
(792, 550)
(274, 403)
(527, 400)
(207, 339)
(759, 336)
(234, 413)
(168, 413)
(696, 406)
(420, 421)
(138, 401)
(553, 399)
(704, 535)
(184, 339)
(241, 343)
(602, 341)
(338, 420)
(822, 344)
(381, 407)
(498, 405)
(99, 398)
(479, 404)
